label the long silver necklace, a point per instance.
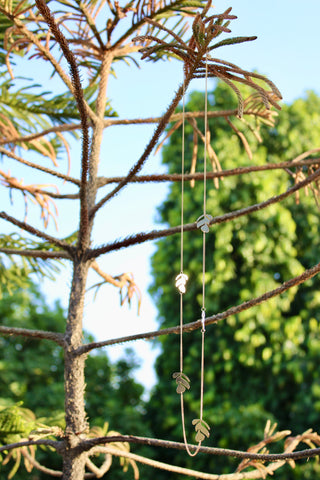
(183, 382)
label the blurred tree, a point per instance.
(263, 363)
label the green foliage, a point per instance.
(15, 272)
(263, 363)
(12, 423)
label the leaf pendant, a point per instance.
(201, 428)
(183, 382)
(181, 281)
(203, 222)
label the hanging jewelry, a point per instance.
(183, 382)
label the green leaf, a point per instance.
(232, 41)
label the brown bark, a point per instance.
(74, 380)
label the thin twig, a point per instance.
(136, 26)
(116, 282)
(40, 334)
(155, 234)
(189, 327)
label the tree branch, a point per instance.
(109, 122)
(46, 53)
(189, 327)
(41, 468)
(177, 177)
(160, 128)
(308, 453)
(97, 134)
(78, 95)
(39, 167)
(36, 253)
(187, 471)
(227, 217)
(33, 136)
(142, 18)
(27, 443)
(40, 334)
(118, 281)
(58, 196)
(28, 228)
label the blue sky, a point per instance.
(287, 51)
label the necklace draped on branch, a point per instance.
(198, 63)
(183, 382)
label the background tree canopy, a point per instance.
(263, 363)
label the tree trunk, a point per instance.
(74, 380)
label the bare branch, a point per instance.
(50, 471)
(139, 22)
(56, 129)
(78, 95)
(28, 228)
(36, 253)
(27, 443)
(39, 167)
(242, 138)
(186, 471)
(118, 281)
(177, 177)
(110, 122)
(38, 466)
(160, 128)
(97, 134)
(224, 452)
(189, 327)
(34, 40)
(40, 334)
(58, 196)
(227, 217)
